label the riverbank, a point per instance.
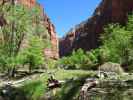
(35, 86)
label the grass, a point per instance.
(34, 90)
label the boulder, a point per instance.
(111, 67)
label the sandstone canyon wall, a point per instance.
(50, 52)
(86, 34)
(53, 51)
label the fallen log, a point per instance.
(89, 84)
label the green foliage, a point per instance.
(33, 54)
(117, 44)
(23, 25)
(79, 60)
(51, 64)
(129, 25)
(34, 90)
(13, 33)
(94, 56)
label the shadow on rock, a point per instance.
(9, 92)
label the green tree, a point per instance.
(20, 26)
(116, 44)
(33, 54)
(13, 33)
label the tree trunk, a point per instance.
(11, 72)
(30, 68)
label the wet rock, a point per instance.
(8, 92)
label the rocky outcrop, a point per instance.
(51, 52)
(86, 34)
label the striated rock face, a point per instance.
(86, 34)
(29, 3)
(51, 52)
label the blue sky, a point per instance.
(65, 14)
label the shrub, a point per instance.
(51, 64)
(34, 90)
(80, 60)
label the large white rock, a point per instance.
(111, 67)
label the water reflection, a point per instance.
(112, 91)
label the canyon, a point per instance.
(86, 34)
(78, 77)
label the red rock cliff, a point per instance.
(53, 51)
(86, 34)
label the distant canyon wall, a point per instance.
(86, 34)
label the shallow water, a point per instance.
(114, 90)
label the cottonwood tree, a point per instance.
(33, 54)
(117, 44)
(19, 24)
